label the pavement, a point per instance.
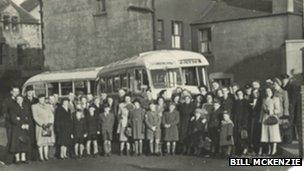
(290, 150)
(144, 163)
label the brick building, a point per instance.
(20, 42)
(252, 43)
(95, 32)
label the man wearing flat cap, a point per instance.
(284, 108)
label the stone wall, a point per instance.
(251, 48)
(76, 35)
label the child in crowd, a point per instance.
(92, 130)
(153, 123)
(170, 120)
(122, 129)
(226, 134)
(79, 133)
(107, 125)
(197, 127)
(137, 117)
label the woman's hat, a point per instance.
(278, 81)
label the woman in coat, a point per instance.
(170, 120)
(44, 119)
(21, 124)
(270, 133)
(63, 127)
(121, 129)
(137, 118)
(186, 111)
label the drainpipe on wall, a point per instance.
(153, 24)
(41, 29)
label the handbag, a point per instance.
(47, 132)
(24, 139)
(244, 134)
(271, 120)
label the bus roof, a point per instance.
(75, 74)
(158, 59)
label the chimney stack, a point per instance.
(282, 6)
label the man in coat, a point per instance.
(8, 107)
(30, 100)
(286, 133)
(186, 111)
(294, 97)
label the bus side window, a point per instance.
(81, 87)
(109, 85)
(138, 80)
(124, 81)
(39, 88)
(66, 88)
(53, 88)
(145, 78)
(102, 85)
(117, 83)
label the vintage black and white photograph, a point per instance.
(151, 85)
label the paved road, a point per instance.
(117, 163)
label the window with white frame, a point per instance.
(6, 22)
(177, 33)
(160, 30)
(204, 40)
(101, 5)
(15, 23)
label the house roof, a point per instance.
(259, 5)
(220, 11)
(29, 5)
(25, 17)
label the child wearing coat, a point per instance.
(153, 131)
(226, 134)
(137, 117)
(79, 133)
(122, 129)
(92, 126)
(170, 120)
(107, 124)
(197, 128)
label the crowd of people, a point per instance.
(224, 121)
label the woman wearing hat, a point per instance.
(270, 133)
(282, 95)
(21, 125)
(44, 118)
(63, 127)
(170, 120)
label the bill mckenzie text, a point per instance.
(265, 162)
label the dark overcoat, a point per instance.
(171, 118)
(137, 119)
(63, 126)
(20, 138)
